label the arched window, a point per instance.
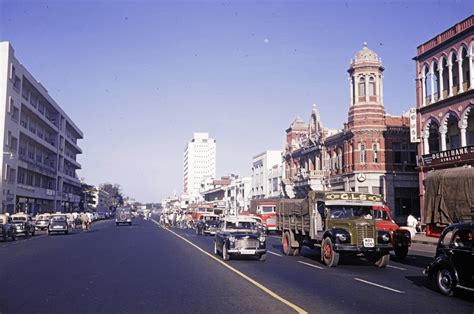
(433, 139)
(371, 87)
(363, 154)
(452, 137)
(465, 69)
(362, 87)
(375, 155)
(455, 70)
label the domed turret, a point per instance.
(366, 55)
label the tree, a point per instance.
(115, 193)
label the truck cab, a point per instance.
(267, 212)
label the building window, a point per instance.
(363, 154)
(371, 87)
(375, 149)
(363, 189)
(362, 87)
(397, 153)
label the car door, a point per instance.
(462, 255)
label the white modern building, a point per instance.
(267, 172)
(39, 144)
(199, 163)
(239, 194)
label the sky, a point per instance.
(139, 77)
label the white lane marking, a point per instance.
(274, 236)
(395, 267)
(315, 266)
(273, 253)
(252, 281)
(377, 285)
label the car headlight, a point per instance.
(232, 239)
(261, 238)
(386, 237)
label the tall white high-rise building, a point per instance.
(199, 162)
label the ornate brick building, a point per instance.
(445, 99)
(371, 153)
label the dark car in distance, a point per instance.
(7, 229)
(239, 236)
(23, 224)
(453, 265)
(58, 223)
(207, 224)
(123, 216)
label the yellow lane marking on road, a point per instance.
(252, 281)
(377, 285)
(315, 266)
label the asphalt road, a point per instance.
(144, 268)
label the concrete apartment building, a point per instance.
(267, 173)
(39, 144)
(199, 163)
(445, 102)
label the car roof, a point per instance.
(239, 219)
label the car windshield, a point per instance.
(58, 218)
(348, 211)
(268, 209)
(19, 218)
(210, 218)
(249, 225)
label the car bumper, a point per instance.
(212, 232)
(362, 249)
(246, 251)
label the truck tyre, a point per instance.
(401, 252)
(225, 255)
(263, 257)
(285, 241)
(445, 281)
(328, 255)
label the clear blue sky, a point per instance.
(139, 77)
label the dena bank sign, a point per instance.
(353, 197)
(457, 155)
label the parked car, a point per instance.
(453, 265)
(239, 236)
(7, 229)
(42, 221)
(207, 224)
(123, 216)
(58, 223)
(24, 224)
(101, 215)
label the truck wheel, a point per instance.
(225, 255)
(263, 257)
(445, 281)
(401, 252)
(285, 241)
(328, 255)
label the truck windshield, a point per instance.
(381, 214)
(347, 211)
(267, 209)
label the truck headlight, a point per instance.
(385, 237)
(342, 237)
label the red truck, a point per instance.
(266, 210)
(401, 238)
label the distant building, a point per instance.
(199, 163)
(40, 144)
(445, 100)
(239, 194)
(102, 199)
(263, 165)
(372, 154)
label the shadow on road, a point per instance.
(425, 282)
(413, 260)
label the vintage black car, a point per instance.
(23, 224)
(123, 216)
(7, 229)
(207, 224)
(239, 236)
(453, 266)
(58, 223)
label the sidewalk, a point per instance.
(421, 238)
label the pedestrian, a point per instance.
(412, 223)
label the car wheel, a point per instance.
(66, 232)
(129, 223)
(225, 255)
(263, 257)
(328, 255)
(14, 236)
(285, 241)
(401, 252)
(445, 281)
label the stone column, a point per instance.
(432, 100)
(450, 78)
(381, 89)
(356, 89)
(426, 143)
(462, 129)
(377, 87)
(366, 89)
(442, 132)
(471, 75)
(440, 81)
(461, 89)
(423, 91)
(351, 89)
